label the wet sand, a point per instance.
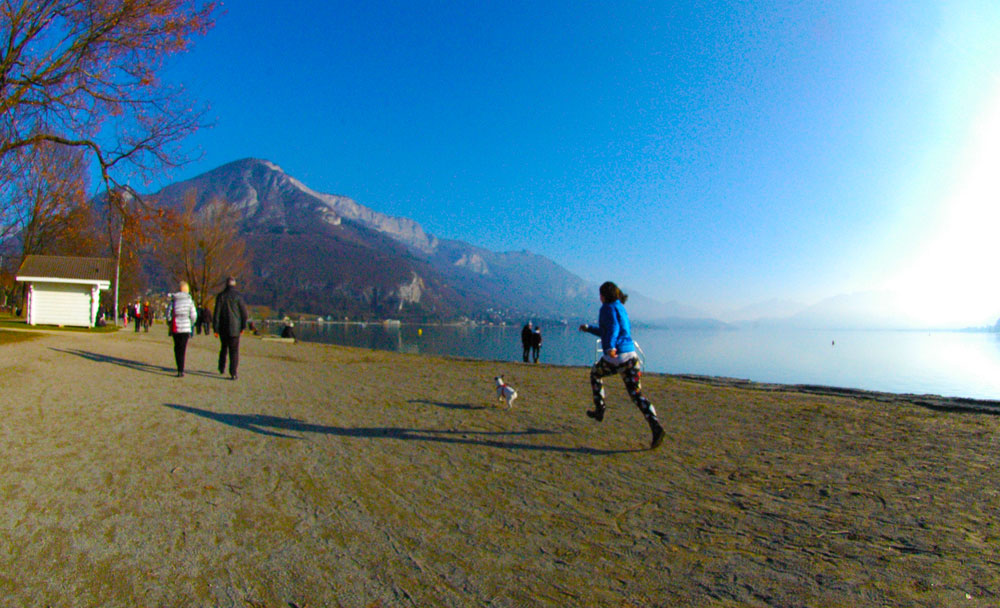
(331, 476)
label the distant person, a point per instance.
(205, 320)
(137, 316)
(536, 343)
(200, 322)
(288, 331)
(527, 336)
(147, 316)
(229, 320)
(182, 315)
(619, 357)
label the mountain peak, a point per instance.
(325, 253)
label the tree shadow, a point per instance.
(131, 364)
(450, 406)
(272, 425)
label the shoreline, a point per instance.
(935, 401)
(909, 364)
(938, 402)
(930, 400)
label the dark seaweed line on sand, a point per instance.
(937, 402)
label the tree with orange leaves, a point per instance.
(203, 246)
(49, 201)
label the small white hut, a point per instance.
(64, 290)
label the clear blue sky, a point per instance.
(715, 153)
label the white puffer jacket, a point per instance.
(182, 314)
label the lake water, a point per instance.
(953, 364)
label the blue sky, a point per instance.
(714, 153)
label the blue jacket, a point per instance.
(614, 330)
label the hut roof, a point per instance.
(67, 268)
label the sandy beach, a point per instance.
(331, 476)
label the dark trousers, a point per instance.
(231, 345)
(180, 348)
(527, 351)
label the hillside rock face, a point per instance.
(326, 254)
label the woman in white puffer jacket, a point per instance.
(181, 315)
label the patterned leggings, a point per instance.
(631, 372)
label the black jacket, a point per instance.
(527, 336)
(230, 316)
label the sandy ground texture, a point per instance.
(329, 476)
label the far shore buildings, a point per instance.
(64, 290)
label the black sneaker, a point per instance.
(597, 415)
(658, 434)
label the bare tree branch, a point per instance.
(83, 73)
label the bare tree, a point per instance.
(48, 196)
(83, 74)
(204, 246)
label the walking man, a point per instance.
(527, 337)
(229, 320)
(536, 343)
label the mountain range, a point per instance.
(325, 254)
(328, 255)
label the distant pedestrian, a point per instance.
(182, 314)
(536, 343)
(137, 316)
(527, 336)
(205, 320)
(619, 357)
(147, 316)
(229, 320)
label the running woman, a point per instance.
(619, 357)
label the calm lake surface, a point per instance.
(953, 364)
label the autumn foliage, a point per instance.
(203, 246)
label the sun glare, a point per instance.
(952, 279)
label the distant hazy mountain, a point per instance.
(767, 311)
(327, 254)
(671, 314)
(862, 310)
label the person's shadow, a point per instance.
(131, 364)
(273, 425)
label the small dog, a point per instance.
(505, 392)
